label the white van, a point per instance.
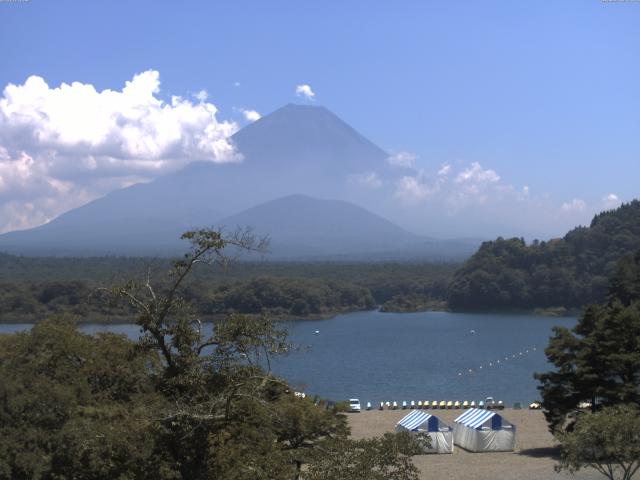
(354, 405)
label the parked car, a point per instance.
(354, 405)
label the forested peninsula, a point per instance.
(569, 272)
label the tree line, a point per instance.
(33, 288)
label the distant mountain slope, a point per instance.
(302, 226)
(569, 272)
(294, 149)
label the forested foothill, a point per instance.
(33, 288)
(568, 272)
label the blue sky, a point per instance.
(546, 94)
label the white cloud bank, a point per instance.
(471, 185)
(306, 92)
(63, 146)
(402, 159)
(575, 205)
(475, 201)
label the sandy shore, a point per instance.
(533, 458)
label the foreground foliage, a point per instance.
(608, 441)
(385, 458)
(180, 403)
(71, 402)
(570, 272)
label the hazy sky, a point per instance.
(537, 103)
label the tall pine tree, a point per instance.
(599, 359)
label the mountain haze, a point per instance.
(296, 149)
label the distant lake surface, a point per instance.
(377, 356)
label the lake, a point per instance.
(377, 356)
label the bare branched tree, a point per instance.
(206, 368)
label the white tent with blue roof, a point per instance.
(479, 430)
(423, 423)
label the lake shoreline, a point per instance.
(557, 312)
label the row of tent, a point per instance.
(475, 430)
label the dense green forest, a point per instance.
(569, 272)
(176, 403)
(33, 288)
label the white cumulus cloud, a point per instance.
(410, 189)
(402, 159)
(305, 91)
(444, 170)
(476, 174)
(456, 190)
(575, 205)
(202, 95)
(611, 201)
(414, 188)
(251, 115)
(62, 146)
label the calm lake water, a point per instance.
(378, 356)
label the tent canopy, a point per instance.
(423, 423)
(419, 420)
(480, 430)
(477, 418)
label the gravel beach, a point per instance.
(533, 458)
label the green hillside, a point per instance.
(568, 272)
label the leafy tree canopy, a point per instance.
(608, 441)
